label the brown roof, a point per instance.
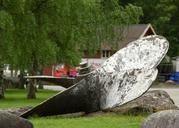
(133, 32)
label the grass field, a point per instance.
(109, 120)
(17, 98)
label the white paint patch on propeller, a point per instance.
(130, 72)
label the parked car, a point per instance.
(73, 72)
(60, 70)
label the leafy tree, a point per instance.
(6, 30)
(6, 35)
(49, 31)
(55, 26)
(81, 24)
(30, 46)
(163, 14)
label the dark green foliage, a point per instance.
(6, 39)
(164, 16)
(35, 33)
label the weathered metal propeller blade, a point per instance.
(123, 77)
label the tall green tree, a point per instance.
(30, 46)
(49, 31)
(163, 15)
(62, 27)
(6, 38)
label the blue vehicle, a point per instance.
(175, 77)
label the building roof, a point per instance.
(133, 32)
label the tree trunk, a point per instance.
(40, 85)
(22, 80)
(15, 73)
(12, 68)
(33, 82)
(31, 89)
(1, 85)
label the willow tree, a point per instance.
(57, 31)
(30, 46)
(85, 24)
(6, 38)
(75, 25)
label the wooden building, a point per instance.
(130, 33)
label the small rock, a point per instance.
(150, 102)
(16, 111)
(95, 113)
(170, 82)
(72, 115)
(162, 119)
(8, 120)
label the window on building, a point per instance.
(105, 53)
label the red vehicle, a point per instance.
(60, 70)
(73, 72)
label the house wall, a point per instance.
(96, 55)
(176, 64)
(94, 62)
(97, 59)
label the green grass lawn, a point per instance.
(17, 98)
(109, 120)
